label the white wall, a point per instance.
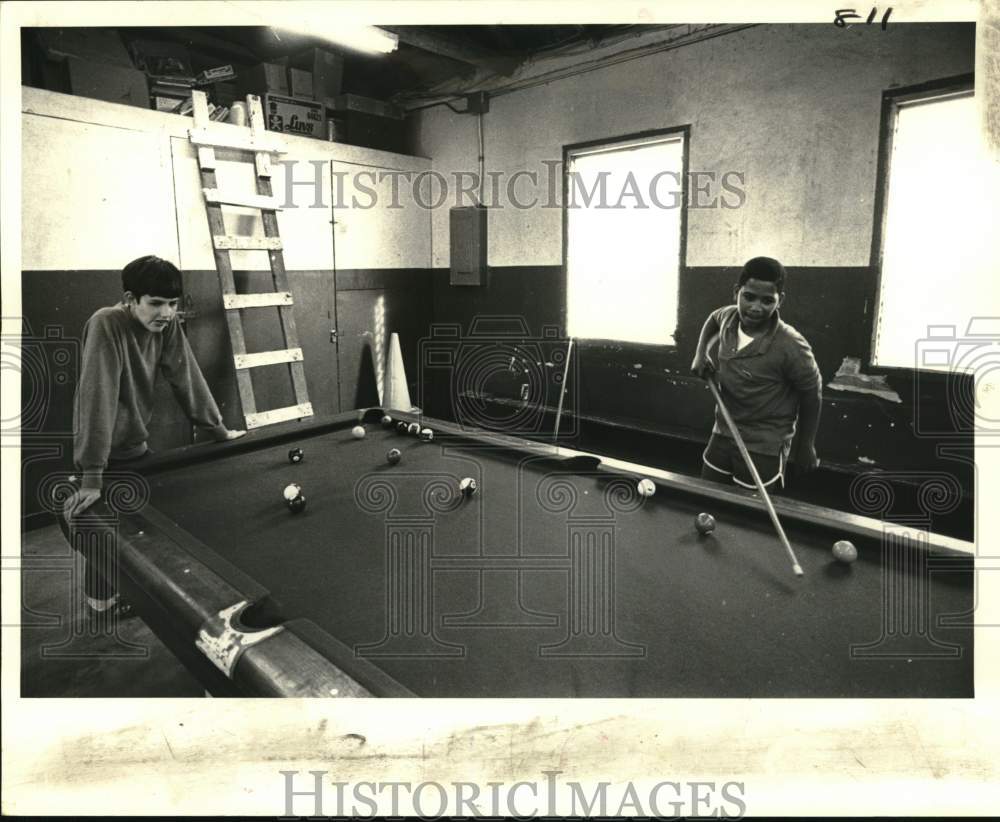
(797, 108)
(105, 183)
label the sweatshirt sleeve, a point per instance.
(96, 404)
(179, 366)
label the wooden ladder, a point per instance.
(206, 136)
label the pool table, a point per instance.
(554, 579)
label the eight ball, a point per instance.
(295, 455)
(704, 523)
(297, 504)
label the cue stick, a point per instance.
(756, 477)
(562, 392)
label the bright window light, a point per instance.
(623, 209)
(939, 253)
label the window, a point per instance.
(624, 204)
(939, 234)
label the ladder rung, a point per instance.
(216, 197)
(236, 243)
(233, 301)
(237, 138)
(268, 358)
(293, 412)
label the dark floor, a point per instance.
(66, 654)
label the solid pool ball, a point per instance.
(292, 490)
(705, 523)
(413, 429)
(646, 488)
(467, 487)
(844, 551)
(358, 432)
(297, 505)
(386, 421)
(401, 427)
(427, 435)
(295, 455)
(393, 456)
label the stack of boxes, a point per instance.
(300, 94)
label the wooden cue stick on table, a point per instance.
(562, 390)
(756, 477)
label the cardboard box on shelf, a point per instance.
(264, 78)
(300, 83)
(293, 115)
(326, 67)
(102, 81)
(162, 103)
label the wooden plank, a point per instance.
(232, 242)
(258, 125)
(224, 267)
(263, 358)
(293, 412)
(239, 301)
(233, 137)
(206, 159)
(216, 197)
(200, 102)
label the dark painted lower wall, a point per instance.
(647, 388)
(650, 387)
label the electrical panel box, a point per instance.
(468, 245)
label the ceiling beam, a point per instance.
(455, 48)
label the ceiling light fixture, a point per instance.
(367, 39)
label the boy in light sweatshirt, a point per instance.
(124, 346)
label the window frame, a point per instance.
(610, 143)
(892, 101)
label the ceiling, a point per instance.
(426, 57)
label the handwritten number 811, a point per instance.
(843, 15)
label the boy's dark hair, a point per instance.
(153, 276)
(766, 269)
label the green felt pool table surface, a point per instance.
(556, 579)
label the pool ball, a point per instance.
(295, 455)
(467, 487)
(413, 429)
(704, 523)
(427, 435)
(358, 432)
(393, 456)
(386, 421)
(401, 427)
(297, 505)
(292, 490)
(646, 488)
(844, 551)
